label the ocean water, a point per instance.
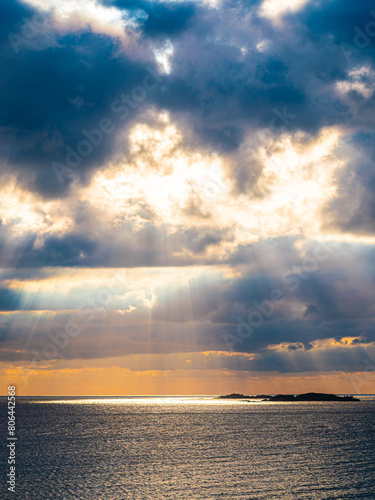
(191, 448)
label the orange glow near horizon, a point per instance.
(114, 381)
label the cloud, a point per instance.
(274, 10)
(51, 94)
(215, 150)
(9, 300)
(165, 19)
(69, 16)
(218, 79)
(316, 312)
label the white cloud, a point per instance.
(23, 212)
(360, 80)
(276, 9)
(182, 188)
(70, 15)
(163, 57)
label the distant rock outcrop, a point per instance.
(242, 396)
(309, 396)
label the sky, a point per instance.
(187, 196)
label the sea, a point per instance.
(190, 448)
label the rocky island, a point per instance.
(309, 396)
(242, 396)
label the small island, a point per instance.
(309, 396)
(242, 396)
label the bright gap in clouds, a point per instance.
(165, 184)
(360, 80)
(70, 15)
(275, 9)
(163, 56)
(23, 212)
(164, 181)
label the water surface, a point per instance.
(193, 448)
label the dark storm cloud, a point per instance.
(339, 359)
(9, 300)
(48, 97)
(51, 93)
(86, 341)
(346, 22)
(199, 315)
(334, 300)
(11, 15)
(119, 247)
(229, 91)
(42, 123)
(158, 19)
(353, 210)
(300, 333)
